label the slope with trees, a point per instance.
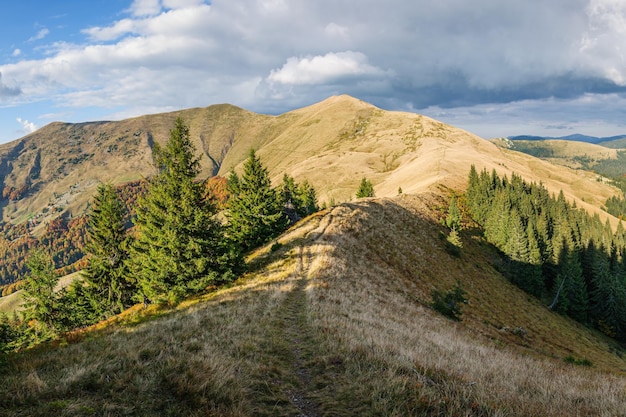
(554, 250)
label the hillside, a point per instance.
(334, 323)
(569, 153)
(576, 137)
(332, 143)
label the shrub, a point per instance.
(449, 303)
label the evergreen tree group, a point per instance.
(257, 212)
(555, 251)
(178, 246)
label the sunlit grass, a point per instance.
(334, 322)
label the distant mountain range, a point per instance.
(575, 137)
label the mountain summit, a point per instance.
(333, 143)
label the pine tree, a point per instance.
(607, 299)
(571, 295)
(107, 280)
(453, 219)
(40, 300)
(7, 333)
(180, 247)
(308, 199)
(76, 306)
(290, 199)
(366, 189)
(254, 211)
(289, 191)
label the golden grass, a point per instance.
(335, 322)
(11, 302)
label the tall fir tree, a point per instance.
(308, 199)
(453, 219)
(7, 333)
(40, 299)
(255, 212)
(180, 247)
(108, 285)
(571, 294)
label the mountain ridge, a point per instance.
(329, 321)
(333, 144)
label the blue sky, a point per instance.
(493, 67)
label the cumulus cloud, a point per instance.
(16, 52)
(328, 68)
(27, 127)
(602, 44)
(277, 54)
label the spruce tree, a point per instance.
(180, 247)
(107, 282)
(366, 189)
(7, 333)
(308, 199)
(40, 300)
(300, 198)
(571, 295)
(453, 219)
(255, 212)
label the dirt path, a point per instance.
(299, 337)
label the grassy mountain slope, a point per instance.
(615, 143)
(332, 143)
(560, 152)
(577, 137)
(334, 322)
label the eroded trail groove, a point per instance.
(298, 337)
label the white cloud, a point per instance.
(143, 8)
(7, 92)
(27, 127)
(273, 55)
(16, 52)
(323, 69)
(110, 33)
(40, 35)
(180, 4)
(603, 44)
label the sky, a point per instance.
(494, 67)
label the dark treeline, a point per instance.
(555, 251)
(176, 247)
(616, 206)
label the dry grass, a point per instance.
(11, 302)
(372, 302)
(335, 322)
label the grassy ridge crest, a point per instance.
(335, 321)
